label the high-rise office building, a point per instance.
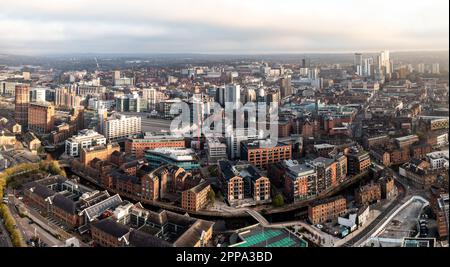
(313, 74)
(358, 64)
(285, 86)
(153, 97)
(116, 75)
(386, 62)
(220, 96)
(22, 99)
(435, 69)
(233, 93)
(367, 67)
(128, 103)
(66, 98)
(421, 68)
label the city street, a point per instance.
(35, 225)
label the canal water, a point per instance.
(247, 220)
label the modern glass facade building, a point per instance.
(180, 157)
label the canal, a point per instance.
(247, 220)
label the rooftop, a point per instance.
(193, 234)
(179, 154)
(65, 204)
(326, 200)
(419, 242)
(298, 169)
(262, 144)
(41, 104)
(323, 146)
(86, 133)
(156, 137)
(406, 138)
(267, 237)
(241, 169)
(439, 154)
(111, 227)
(139, 238)
(198, 188)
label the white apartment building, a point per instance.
(85, 139)
(153, 97)
(236, 137)
(38, 94)
(119, 127)
(442, 140)
(438, 160)
(216, 150)
(96, 104)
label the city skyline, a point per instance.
(264, 27)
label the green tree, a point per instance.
(278, 200)
(212, 196)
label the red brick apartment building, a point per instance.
(243, 180)
(368, 194)
(137, 146)
(262, 156)
(196, 198)
(328, 209)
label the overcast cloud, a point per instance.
(221, 26)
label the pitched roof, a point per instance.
(65, 204)
(43, 191)
(198, 188)
(111, 227)
(192, 235)
(141, 239)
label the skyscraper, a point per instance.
(358, 63)
(116, 75)
(285, 86)
(386, 62)
(367, 68)
(220, 96)
(233, 93)
(313, 74)
(21, 104)
(435, 69)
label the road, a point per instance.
(402, 197)
(35, 224)
(5, 240)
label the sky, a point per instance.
(222, 26)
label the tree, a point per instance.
(41, 150)
(212, 196)
(278, 200)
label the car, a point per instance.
(319, 226)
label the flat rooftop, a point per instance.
(179, 154)
(406, 138)
(268, 237)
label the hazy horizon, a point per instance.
(235, 27)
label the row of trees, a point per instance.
(8, 220)
(16, 237)
(6, 176)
